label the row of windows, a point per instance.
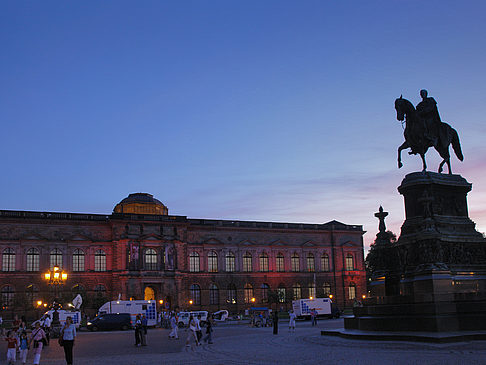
(248, 293)
(230, 259)
(7, 293)
(55, 259)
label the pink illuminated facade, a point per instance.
(140, 251)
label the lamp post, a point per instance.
(55, 277)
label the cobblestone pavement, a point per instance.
(243, 345)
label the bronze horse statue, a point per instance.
(419, 141)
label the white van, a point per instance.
(303, 307)
(183, 320)
(133, 307)
(63, 314)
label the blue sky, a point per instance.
(253, 110)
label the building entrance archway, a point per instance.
(149, 293)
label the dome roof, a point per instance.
(141, 203)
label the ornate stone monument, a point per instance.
(436, 270)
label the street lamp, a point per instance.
(55, 277)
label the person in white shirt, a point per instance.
(47, 327)
(292, 317)
(173, 326)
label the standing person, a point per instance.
(47, 328)
(143, 333)
(159, 320)
(11, 348)
(192, 332)
(37, 335)
(292, 317)
(275, 323)
(314, 317)
(138, 330)
(173, 326)
(24, 347)
(68, 333)
(209, 330)
(198, 329)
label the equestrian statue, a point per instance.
(424, 129)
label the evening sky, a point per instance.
(249, 110)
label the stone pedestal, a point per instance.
(442, 263)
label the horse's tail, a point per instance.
(456, 145)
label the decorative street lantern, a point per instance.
(55, 277)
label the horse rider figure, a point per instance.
(428, 112)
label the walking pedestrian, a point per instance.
(275, 323)
(11, 348)
(292, 317)
(198, 329)
(173, 326)
(37, 337)
(209, 330)
(138, 330)
(68, 334)
(192, 332)
(24, 347)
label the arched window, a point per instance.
(325, 262)
(230, 262)
(8, 259)
(33, 259)
(264, 262)
(352, 291)
(265, 288)
(32, 292)
(231, 297)
(248, 293)
(150, 259)
(349, 262)
(213, 294)
(100, 290)
(212, 262)
(297, 291)
(310, 262)
(247, 266)
(7, 295)
(100, 260)
(326, 289)
(281, 292)
(78, 260)
(295, 263)
(280, 265)
(194, 262)
(55, 258)
(196, 294)
(312, 290)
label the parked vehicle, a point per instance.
(220, 316)
(323, 307)
(184, 318)
(110, 321)
(63, 314)
(133, 307)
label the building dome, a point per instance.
(141, 203)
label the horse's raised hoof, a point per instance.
(400, 164)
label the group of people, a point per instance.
(19, 341)
(195, 331)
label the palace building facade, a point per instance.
(141, 252)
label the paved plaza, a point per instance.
(240, 344)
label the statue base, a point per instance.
(440, 282)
